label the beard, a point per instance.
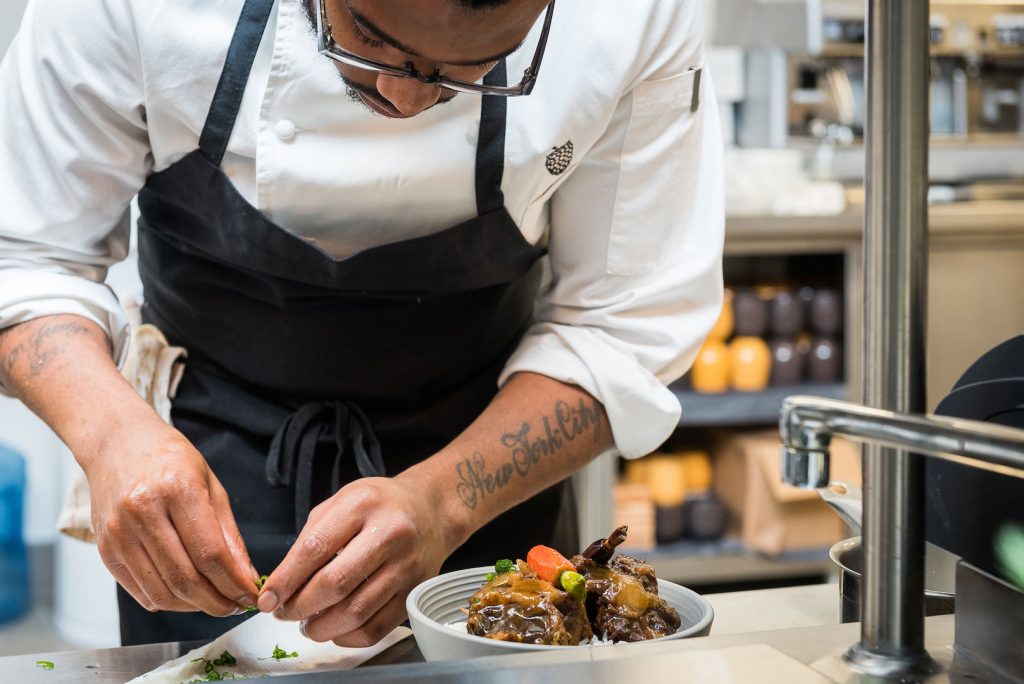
(352, 89)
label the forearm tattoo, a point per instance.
(526, 447)
(36, 347)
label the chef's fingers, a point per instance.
(134, 568)
(356, 611)
(123, 575)
(199, 527)
(232, 535)
(164, 545)
(317, 544)
(379, 626)
(334, 582)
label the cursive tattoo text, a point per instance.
(36, 346)
(526, 447)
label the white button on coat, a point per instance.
(285, 129)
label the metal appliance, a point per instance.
(977, 75)
(806, 83)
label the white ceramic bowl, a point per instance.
(434, 604)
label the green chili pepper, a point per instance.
(45, 664)
(504, 565)
(574, 584)
(261, 581)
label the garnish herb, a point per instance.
(489, 576)
(259, 587)
(45, 664)
(225, 659)
(504, 565)
(280, 654)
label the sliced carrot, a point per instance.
(547, 563)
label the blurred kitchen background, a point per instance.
(708, 510)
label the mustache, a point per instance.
(373, 94)
(351, 86)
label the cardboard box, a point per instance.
(634, 506)
(769, 516)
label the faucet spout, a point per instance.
(807, 425)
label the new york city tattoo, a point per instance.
(526, 447)
(37, 346)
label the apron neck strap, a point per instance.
(490, 150)
(213, 142)
(228, 97)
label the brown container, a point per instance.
(769, 516)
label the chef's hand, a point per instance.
(164, 525)
(359, 555)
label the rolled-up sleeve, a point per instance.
(635, 252)
(73, 152)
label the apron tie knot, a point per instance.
(293, 450)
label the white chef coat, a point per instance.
(98, 94)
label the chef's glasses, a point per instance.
(329, 48)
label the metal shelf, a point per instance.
(745, 408)
(728, 561)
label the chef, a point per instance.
(427, 258)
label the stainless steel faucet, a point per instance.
(807, 424)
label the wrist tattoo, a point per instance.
(525, 448)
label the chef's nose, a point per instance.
(408, 95)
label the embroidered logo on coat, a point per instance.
(559, 159)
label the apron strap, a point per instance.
(228, 97)
(292, 456)
(490, 150)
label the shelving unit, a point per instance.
(754, 258)
(745, 408)
(728, 561)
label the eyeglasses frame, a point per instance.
(328, 47)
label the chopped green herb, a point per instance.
(574, 584)
(45, 664)
(280, 654)
(225, 659)
(504, 565)
(489, 576)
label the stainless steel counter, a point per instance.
(735, 613)
(789, 636)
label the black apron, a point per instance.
(306, 371)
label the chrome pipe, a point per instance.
(895, 307)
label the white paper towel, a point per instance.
(256, 638)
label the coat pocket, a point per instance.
(655, 182)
